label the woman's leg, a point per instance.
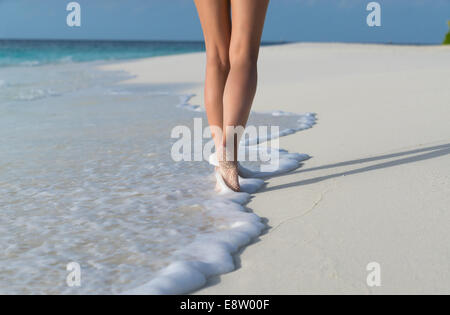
(216, 23)
(248, 21)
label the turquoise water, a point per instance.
(38, 52)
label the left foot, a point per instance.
(229, 173)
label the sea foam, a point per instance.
(211, 254)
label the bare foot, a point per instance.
(228, 169)
(229, 172)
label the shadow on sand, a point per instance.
(418, 155)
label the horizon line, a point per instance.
(268, 42)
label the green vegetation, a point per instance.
(447, 37)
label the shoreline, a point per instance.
(376, 188)
(183, 277)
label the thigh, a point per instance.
(248, 18)
(215, 19)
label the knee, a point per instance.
(218, 60)
(243, 56)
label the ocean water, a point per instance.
(86, 176)
(38, 52)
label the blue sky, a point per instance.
(403, 21)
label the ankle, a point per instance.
(228, 164)
(225, 155)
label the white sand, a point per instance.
(378, 185)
